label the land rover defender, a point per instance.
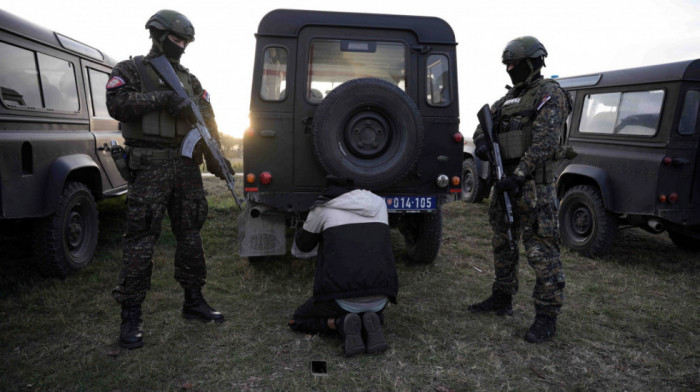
(366, 96)
(55, 137)
(637, 136)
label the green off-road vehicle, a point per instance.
(365, 96)
(637, 136)
(55, 137)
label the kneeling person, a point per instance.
(355, 271)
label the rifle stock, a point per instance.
(200, 131)
(486, 122)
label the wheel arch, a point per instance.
(578, 174)
(77, 167)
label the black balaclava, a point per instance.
(172, 51)
(527, 70)
(162, 45)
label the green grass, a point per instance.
(631, 321)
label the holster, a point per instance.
(120, 156)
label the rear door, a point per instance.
(680, 173)
(328, 57)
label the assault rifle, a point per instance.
(496, 163)
(200, 131)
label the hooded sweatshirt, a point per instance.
(354, 255)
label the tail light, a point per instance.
(458, 137)
(455, 181)
(265, 178)
(250, 178)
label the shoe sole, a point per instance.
(376, 343)
(531, 338)
(130, 346)
(352, 326)
(202, 319)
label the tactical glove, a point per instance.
(510, 184)
(213, 165)
(179, 107)
(482, 152)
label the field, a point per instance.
(631, 320)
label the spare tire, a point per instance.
(368, 130)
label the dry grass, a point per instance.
(631, 321)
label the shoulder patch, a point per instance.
(206, 96)
(544, 100)
(115, 82)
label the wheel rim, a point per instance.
(74, 230)
(581, 223)
(467, 184)
(367, 135)
(77, 230)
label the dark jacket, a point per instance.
(354, 256)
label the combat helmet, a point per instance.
(172, 22)
(523, 48)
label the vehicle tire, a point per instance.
(66, 241)
(684, 241)
(586, 226)
(473, 187)
(422, 234)
(368, 130)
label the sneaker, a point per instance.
(350, 330)
(502, 304)
(542, 330)
(376, 343)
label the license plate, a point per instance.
(410, 203)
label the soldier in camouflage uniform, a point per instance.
(528, 122)
(154, 121)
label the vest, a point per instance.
(157, 126)
(514, 120)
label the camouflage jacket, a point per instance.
(548, 123)
(127, 103)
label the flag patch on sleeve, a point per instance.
(115, 82)
(206, 96)
(544, 100)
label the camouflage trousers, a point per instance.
(535, 218)
(174, 186)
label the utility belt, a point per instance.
(128, 159)
(139, 157)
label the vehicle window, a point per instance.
(334, 62)
(274, 78)
(438, 81)
(599, 113)
(58, 83)
(632, 113)
(640, 113)
(98, 81)
(19, 78)
(689, 115)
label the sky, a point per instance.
(582, 37)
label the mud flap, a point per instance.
(262, 235)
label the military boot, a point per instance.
(542, 330)
(131, 334)
(196, 308)
(498, 302)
